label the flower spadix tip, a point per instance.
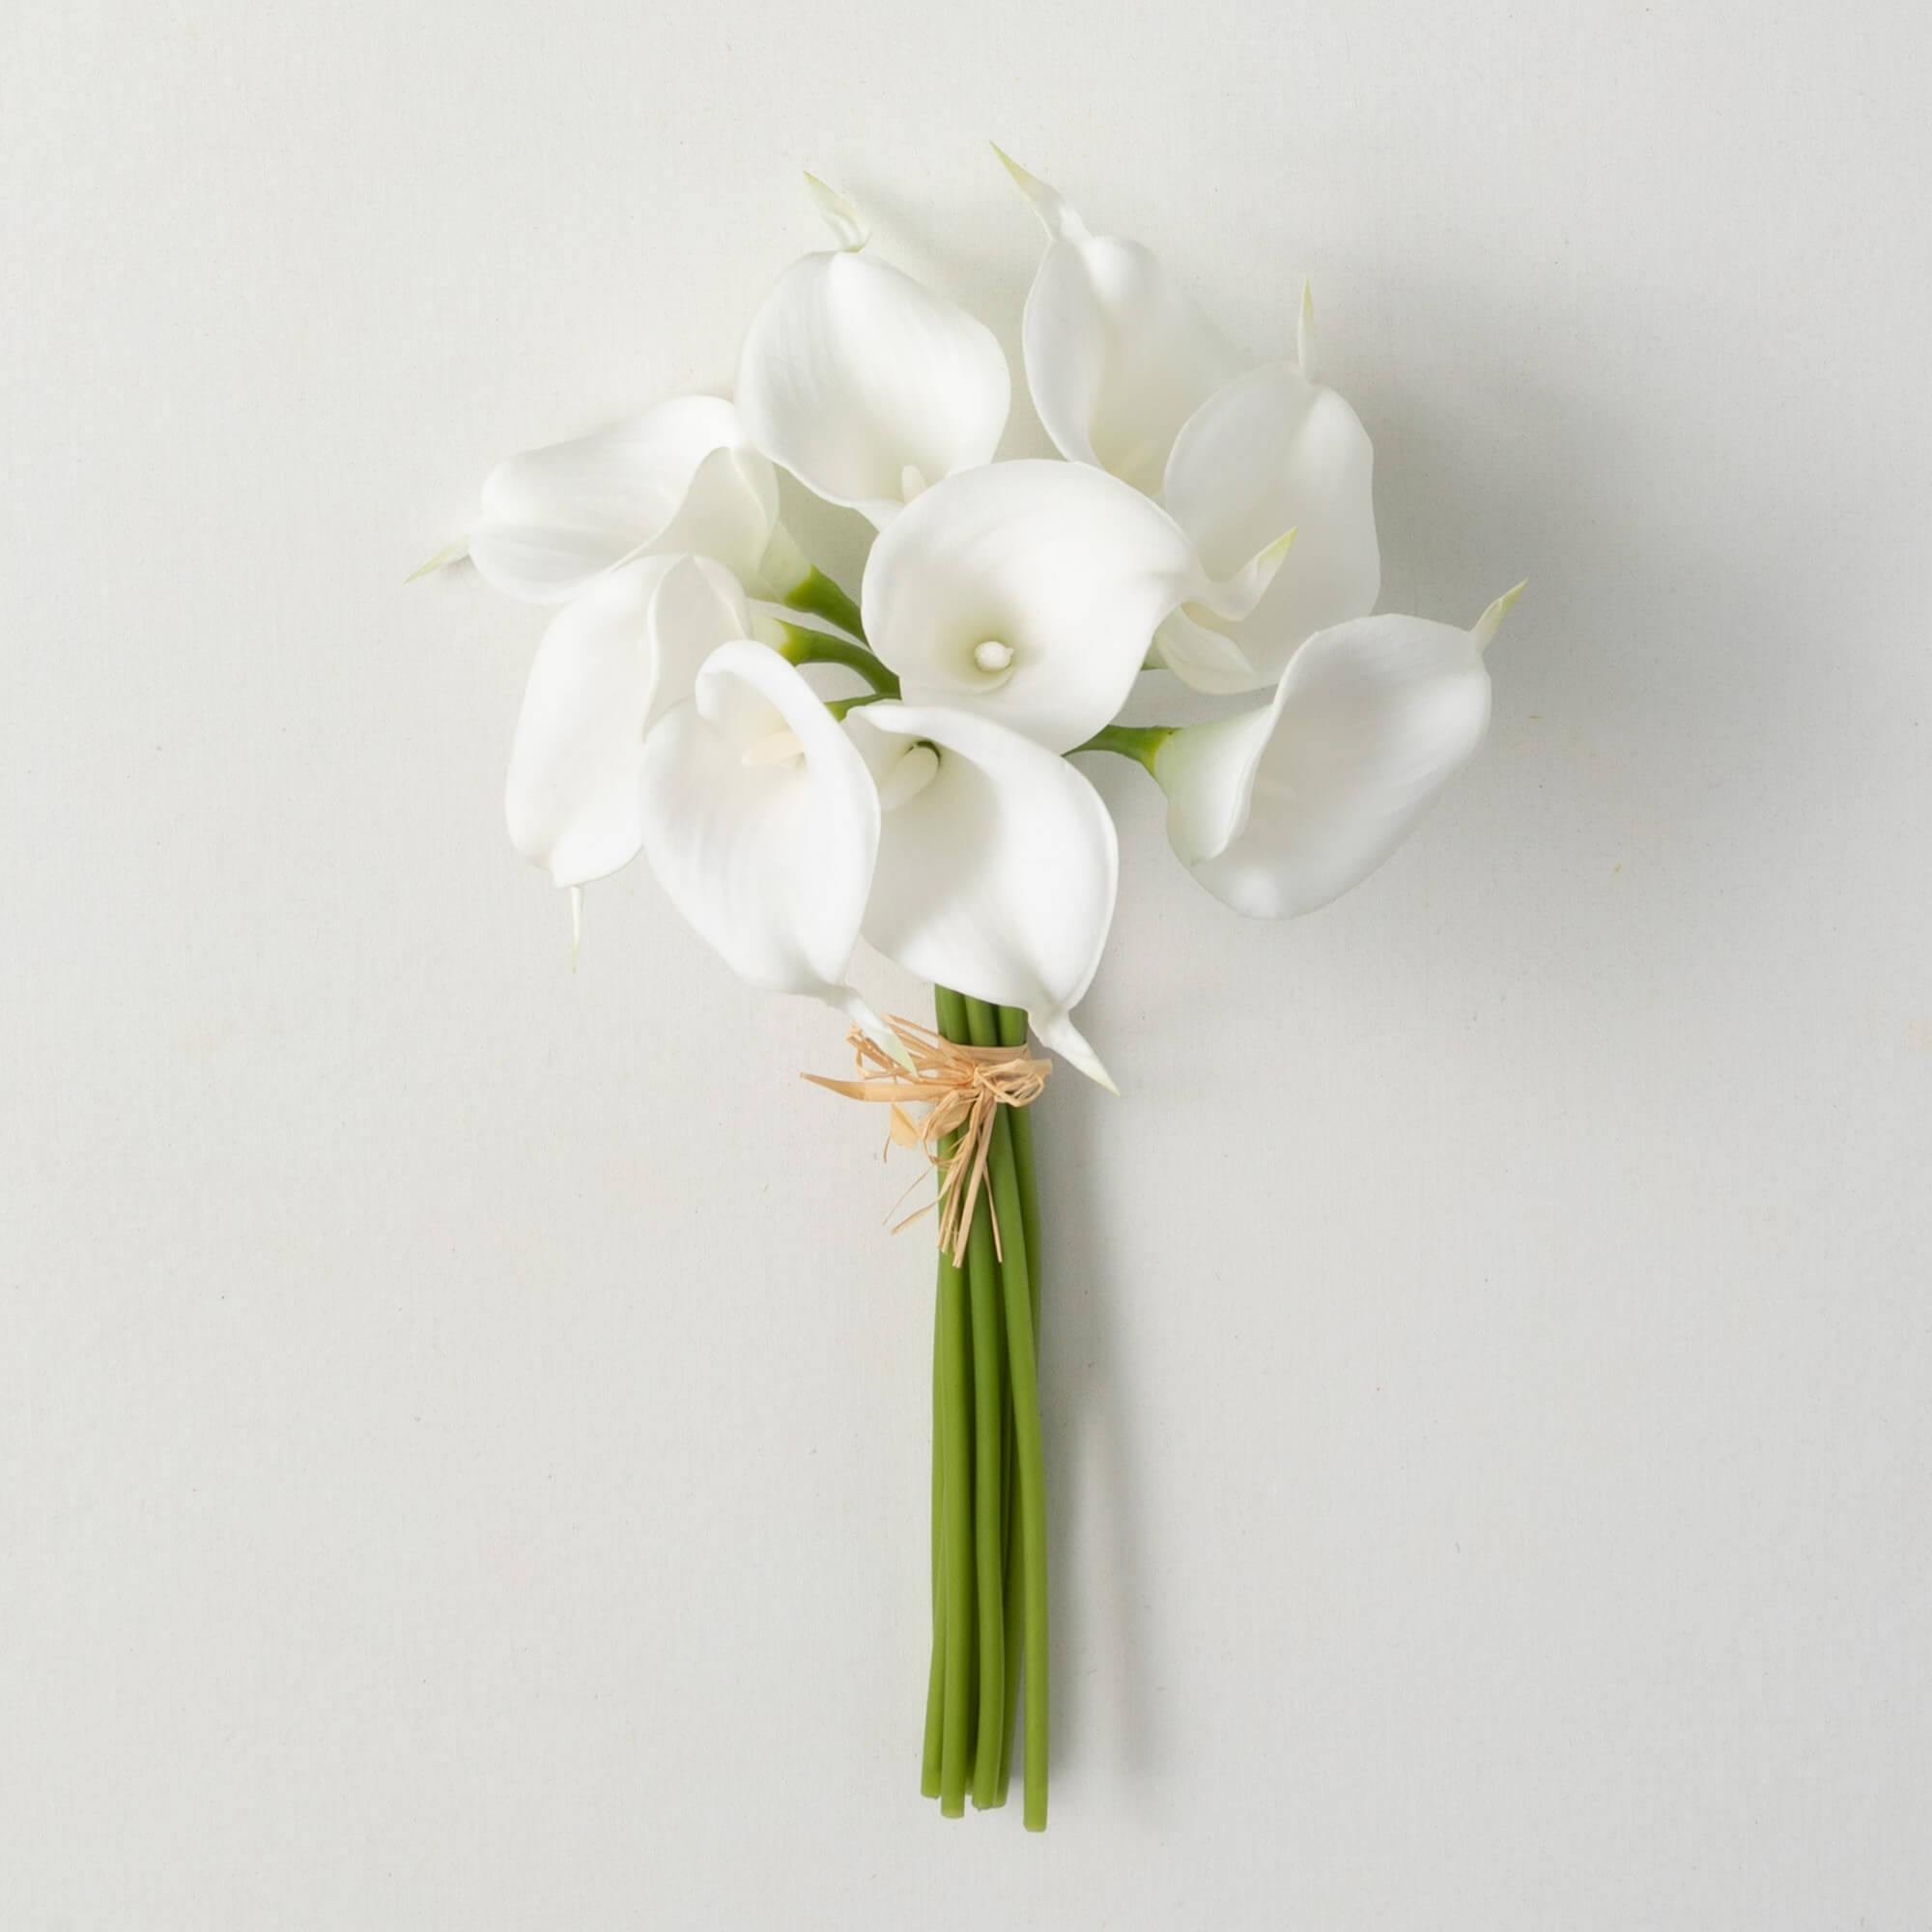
(1058, 1031)
(859, 1010)
(1055, 216)
(452, 552)
(1486, 626)
(1279, 549)
(839, 216)
(1027, 182)
(1304, 334)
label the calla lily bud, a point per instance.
(682, 477)
(1116, 356)
(863, 384)
(997, 868)
(611, 663)
(1280, 809)
(1273, 450)
(761, 823)
(1028, 593)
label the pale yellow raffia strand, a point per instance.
(959, 1087)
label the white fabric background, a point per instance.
(463, 1454)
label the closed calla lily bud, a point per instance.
(1030, 592)
(761, 823)
(997, 869)
(681, 477)
(1273, 450)
(864, 385)
(1280, 809)
(611, 663)
(1116, 356)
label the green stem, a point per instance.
(988, 1383)
(958, 1557)
(957, 1561)
(989, 1390)
(803, 645)
(1131, 740)
(817, 593)
(1013, 1033)
(935, 1682)
(1029, 1462)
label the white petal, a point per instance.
(1118, 358)
(1284, 808)
(766, 850)
(1206, 658)
(867, 386)
(682, 475)
(1207, 772)
(1065, 567)
(610, 662)
(1269, 452)
(997, 873)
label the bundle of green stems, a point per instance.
(988, 1479)
(988, 1482)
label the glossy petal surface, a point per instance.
(680, 476)
(761, 823)
(1285, 808)
(1117, 355)
(610, 662)
(867, 386)
(1063, 566)
(1272, 451)
(998, 865)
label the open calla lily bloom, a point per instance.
(762, 824)
(997, 866)
(1278, 811)
(1030, 591)
(612, 661)
(865, 386)
(1273, 450)
(682, 477)
(694, 699)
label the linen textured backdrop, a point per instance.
(462, 1453)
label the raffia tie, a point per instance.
(962, 1089)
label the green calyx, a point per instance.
(804, 646)
(816, 594)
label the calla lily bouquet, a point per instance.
(1209, 520)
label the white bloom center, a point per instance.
(777, 748)
(993, 655)
(910, 776)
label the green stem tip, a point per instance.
(816, 594)
(1140, 742)
(803, 645)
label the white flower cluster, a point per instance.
(1006, 610)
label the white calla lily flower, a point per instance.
(611, 663)
(866, 386)
(998, 866)
(1273, 450)
(1116, 356)
(680, 476)
(761, 822)
(1282, 809)
(1030, 591)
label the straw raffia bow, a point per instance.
(960, 1088)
